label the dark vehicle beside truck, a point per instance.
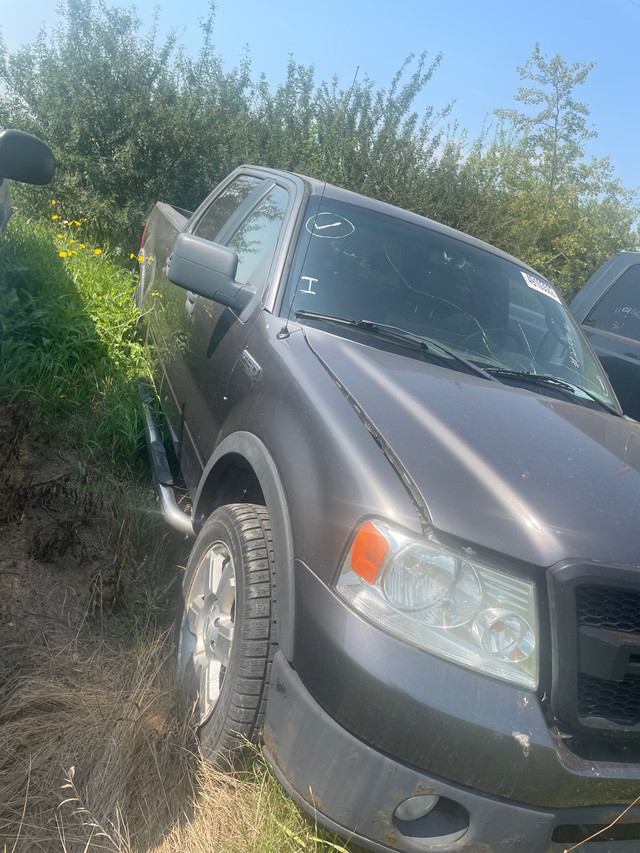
(23, 158)
(608, 306)
(416, 500)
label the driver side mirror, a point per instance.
(25, 158)
(209, 270)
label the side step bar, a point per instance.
(163, 479)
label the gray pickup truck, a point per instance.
(416, 502)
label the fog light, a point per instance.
(416, 807)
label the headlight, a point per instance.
(444, 602)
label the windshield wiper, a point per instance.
(396, 333)
(549, 381)
(495, 374)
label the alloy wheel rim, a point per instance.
(208, 627)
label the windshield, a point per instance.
(356, 264)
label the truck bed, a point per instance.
(165, 222)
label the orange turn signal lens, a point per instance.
(369, 552)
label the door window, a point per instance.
(619, 309)
(224, 206)
(256, 239)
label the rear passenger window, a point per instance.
(619, 309)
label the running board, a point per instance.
(163, 479)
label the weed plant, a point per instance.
(69, 351)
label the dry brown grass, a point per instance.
(95, 755)
(111, 720)
(248, 812)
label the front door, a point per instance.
(206, 339)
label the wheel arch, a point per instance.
(241, 470)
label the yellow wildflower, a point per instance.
(55, 216)
(75, 222)
(60, 236)
(53, 201)
(140, 258)
(82, 246)
(62, 254)
(97, 251)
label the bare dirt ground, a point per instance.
(86, 675)
(67, 566)
(50, 556)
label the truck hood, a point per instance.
(524, 474)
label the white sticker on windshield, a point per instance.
(541, 286)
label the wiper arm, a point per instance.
(397, 333)
(330, 318)
(549, 381)
(534, 378)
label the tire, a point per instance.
(227, 629)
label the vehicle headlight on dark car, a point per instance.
(442, 601)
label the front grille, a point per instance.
(617, 610)
(596, 638)
(608, 607)
(615, 701)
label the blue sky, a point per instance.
(483, 42)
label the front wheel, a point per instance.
(227, 628)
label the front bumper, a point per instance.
(355, 789)
(361, 721)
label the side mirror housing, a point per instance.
(209, 270)
(25, 158)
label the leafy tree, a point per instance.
(133, 119)
(503, 195)
(556, 134)
(130, 119)
(366, 139)
(529, 190)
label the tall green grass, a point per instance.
(68, 338)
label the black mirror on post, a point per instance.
(25, 158)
